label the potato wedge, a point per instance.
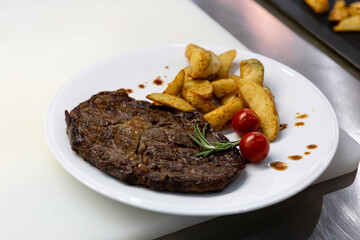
(223, 87)
(252, 69)
(221, 117)
(211, 70)
(350, 24)
(229, 97)
(200, 87)
(234, 77)
(170, 101)
(201, 104)
(319, 6)
(204, 64)
(269, 92)
(339, 11)
(190, 48)
(226, 59)
(354, 8)
(258, 99)
(200, 60)
(174, 87)
(187, 71)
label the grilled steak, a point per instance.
(140, 143)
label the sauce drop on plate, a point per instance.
(302, 116)
(299, 124)
(312, 146)
(283, 126)
(158, 81)
(281, 166)
(129, 90)
(141, 86)
(295, 157)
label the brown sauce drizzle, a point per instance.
(167, 67)
(158, 81)
(312, 146)
(280, 166)
(283, 126)
(141, 86)
(302, 116)
(129, 90)
(307, 153)
(299, 124)
(295, 157)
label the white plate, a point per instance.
(258, 186)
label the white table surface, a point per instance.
(42, 45)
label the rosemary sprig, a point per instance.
(206, 145)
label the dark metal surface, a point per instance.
(328, 210)
(347, 44)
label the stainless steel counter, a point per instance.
(329, 210)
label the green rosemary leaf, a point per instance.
(209, 148)
(195, 140)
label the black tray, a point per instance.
(346, 44)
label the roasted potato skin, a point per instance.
(221, 117)
(204, 64)
(261, 101)
(205, 85)
(174, 87)
(234, 77)
(199, 59)
(318, 6)
(201, 104)
(190, 48)
(350, 24)
(223, 86)
(187, 71)
(252, 69)
(202, 87)
(212, 69)
(340, 14)
(229, 97)
(339, 11)
(226, 59)
(354, 8)
(171, 101)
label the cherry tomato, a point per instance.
(245, 121)
(254, 146)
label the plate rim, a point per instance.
(58, 155)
